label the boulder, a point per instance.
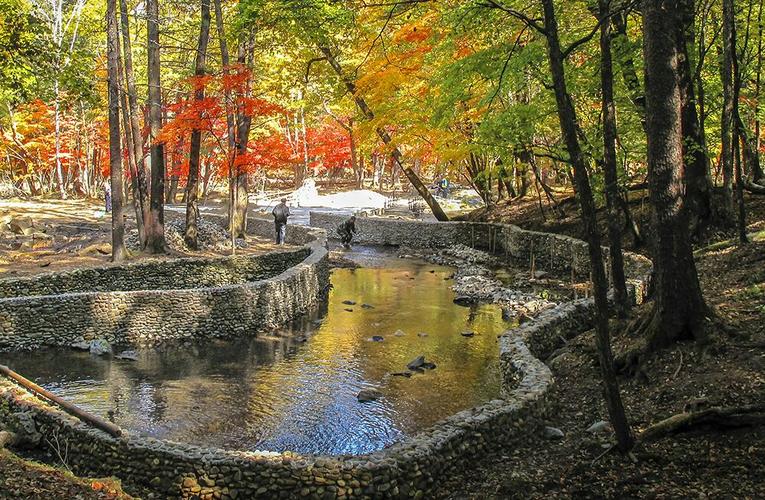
(600, 427)
(127, 355)
(416, 363)
(366, 395)
(21, 225)
(552, 433)
(99, 347)
(27, 435)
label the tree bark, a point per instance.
(239, 189)
(737, 137)
(115, 149)
(141, 189)
(569, 127)
(190, 235)
(155, 228)
(679, 308)
(609, 164)
(698, 180)
(438, 212)
(726, 126)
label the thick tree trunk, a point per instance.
(141, 188)
(240, 185)
(129, 145)
(569, 126)
(438, 212)
(115, 149)
(190, 235)
(679, 307)
(609, 164)
(698, 179)
(155, 227)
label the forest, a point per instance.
(632, 125)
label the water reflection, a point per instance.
(297, 390)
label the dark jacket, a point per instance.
(280, 213)
(347, 227)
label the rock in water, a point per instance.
(399, 333)
(416, 363)
(349, 303)
(468, 334)
(367, 306)
(377, 338)
(428, 365)
(402, 374)
(366, 395)
(99, 347)
(422, 334)
(348, 310)
(553, 433)
(82, 345)
(127, 355)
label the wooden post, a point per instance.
(93, 420)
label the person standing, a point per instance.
(346, 230)
(108, 195)
(281, 212)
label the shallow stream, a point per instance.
(297, 389)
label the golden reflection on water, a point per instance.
(283, 394)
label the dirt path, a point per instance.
(56, 235)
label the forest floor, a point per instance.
(728, 372)
(69, 234)
(31, 480)
(705, 463)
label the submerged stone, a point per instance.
(366, 395)
(349, 303)
(416, 363)
(99, 347)
(377, 338)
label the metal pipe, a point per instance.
(93, 420)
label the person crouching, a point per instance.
(346, 230)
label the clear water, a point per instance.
(297, 389)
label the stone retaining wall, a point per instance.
(237, 295)
(408, 469)
(550, 251)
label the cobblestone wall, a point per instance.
(257, 293)
(408, 469)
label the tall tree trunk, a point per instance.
(190, 234)
(115, 149)
(679, 308)
(698, 180)
(737, 137)
(569, 126)
(609, 164)
(239, 194)
(728, 106)
(155, 228)
(57, 133)
(130, 147)
(438, 212)
(141, 188)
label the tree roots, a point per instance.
(720, 418)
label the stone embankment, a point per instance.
(151, 302)
(408, 469)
